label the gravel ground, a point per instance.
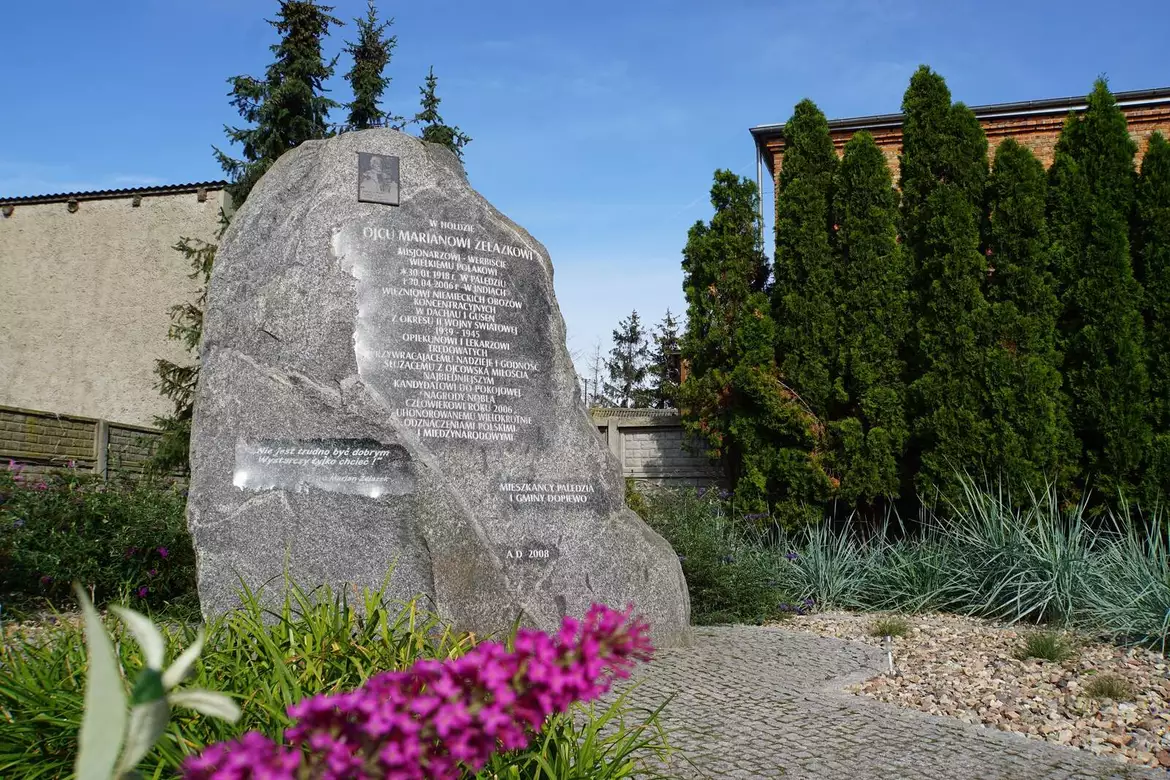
(965, 668)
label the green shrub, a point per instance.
(119, 538)
(636, 499)
(1045, 645)
(270, 658)
(726, 564)
(889, 626)
(1109, 686)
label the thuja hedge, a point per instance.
(997, 320)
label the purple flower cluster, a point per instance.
(437, 718)
(802, 608)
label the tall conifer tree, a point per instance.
(629, 364)
(1152, 261)
(665, 363)
(870, 433)
(804, 292)
(371, 54)
(1091, 200)
(284, 109)
(1030, 441)
(288, 106)
(734, 398)
(944, 173)
(434, 130)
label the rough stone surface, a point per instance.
(763, 702)
(427, 334)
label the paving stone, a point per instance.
(768, 702)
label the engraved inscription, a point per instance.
(547, 492)
(440, 329)
(356, 466)
(529, 552)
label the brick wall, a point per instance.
(1038, 132)
(43, 441)
(652, 446)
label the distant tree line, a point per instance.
(644, 367)
(998, 320)
(282, 110)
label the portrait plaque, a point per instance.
(378, 179)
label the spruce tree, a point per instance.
(944, 173)
(371, 54)
(288, 106)
(285, 109)
(1030, 441)
(870, 433)
(176, 381)
(804, 292)
(1091, 200)
(665, 364)
(1152, 262)
(434, 130)
(629, 364)
(734, 398)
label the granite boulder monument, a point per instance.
(384, 384)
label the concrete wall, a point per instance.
(41, 441)
(651, 446)
(86, 286)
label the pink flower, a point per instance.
(436, 720)
(143, 591)
(162, 552)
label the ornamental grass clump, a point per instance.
(890, 626)
(1110, 686)
(1045, 645)
(437, 719)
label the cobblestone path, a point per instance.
(754, 702)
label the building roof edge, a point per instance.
(158, 189)
(1155, 96)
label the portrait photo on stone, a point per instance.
(378, 179)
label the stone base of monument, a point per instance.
(385, 384)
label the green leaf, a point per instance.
(148, 687)
(147, 723)
(104, 723)
(209, 703)
(178, 670)
(148, 636)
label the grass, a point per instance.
(1038, 561)
(889, 626)
(1045, 645)
(728, 567)
(269, 657)
(1109, 686)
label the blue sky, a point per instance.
(596, 125)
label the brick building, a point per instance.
(1034, 123)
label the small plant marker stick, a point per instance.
(887, 645)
